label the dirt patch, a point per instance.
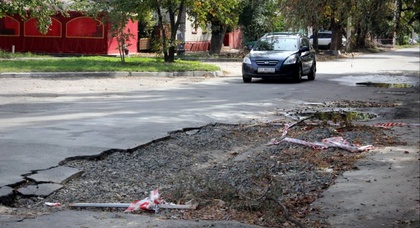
(230, 170)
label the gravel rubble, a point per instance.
(229, 170)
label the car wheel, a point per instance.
(246, 79)
(298, 77)
(312, 74)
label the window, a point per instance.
(9, 26)
(31, 29)
(85, 27)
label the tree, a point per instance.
(169, 15)
(406, 14)
(172, 9)
(42, 10)
(384, 19)
(259, 17)
(371, 19)
(116, 13)
(220, 15)
(300, 14)
(337, 13)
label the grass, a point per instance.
(407, 46)
(9, 55)
(98, 64)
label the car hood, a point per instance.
(278, 55)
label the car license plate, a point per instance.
(266, 70)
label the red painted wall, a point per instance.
(76, 34)
(232, 40)
(132, 44)
(235, 39)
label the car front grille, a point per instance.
(266, 62)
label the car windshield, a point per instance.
(276, 43)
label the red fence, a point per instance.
(75, 34)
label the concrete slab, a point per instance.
(40, 189)
(37, 152)
(108, 219)
(7, 215)
(5, 191)
(59, 175)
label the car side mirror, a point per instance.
(304, 48)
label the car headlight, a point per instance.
(247, 60)
(290, 60)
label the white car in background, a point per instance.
(324, 40)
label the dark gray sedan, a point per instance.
(280, 56)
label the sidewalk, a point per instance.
(110, 74)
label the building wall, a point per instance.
(132, 44)
(76, 34)
(197, 39)
(235, 39)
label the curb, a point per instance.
(110, 74)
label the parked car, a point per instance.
(280, 56)
(324, 40)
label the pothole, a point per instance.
(386, 85)
(382, 81)
(338, 116)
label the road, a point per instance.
(45, 120)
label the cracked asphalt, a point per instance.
(45, 120)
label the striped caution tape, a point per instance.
(394, 124)
(149, 203)
(389, 125)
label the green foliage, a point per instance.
(9, 55)
(260, 17)
(42, 10)
(221, 15)
(168, 13)
(146, 23)
(173, 10)
(6, 55)
(225, 12)
(116, 13)
(367, 19)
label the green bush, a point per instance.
(5, 55)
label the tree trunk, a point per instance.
(396, 27)
(170, 58)
(168, 40)
(361, 33)
(337, 34)
(315, 39)
(162, 33)
(348, 34)
(218, 32)
(337, 38)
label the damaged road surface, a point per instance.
(260, 154)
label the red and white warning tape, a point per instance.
(53, 204)
(393, 124)
(314, 145)
(149, 203)
(338, 142)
